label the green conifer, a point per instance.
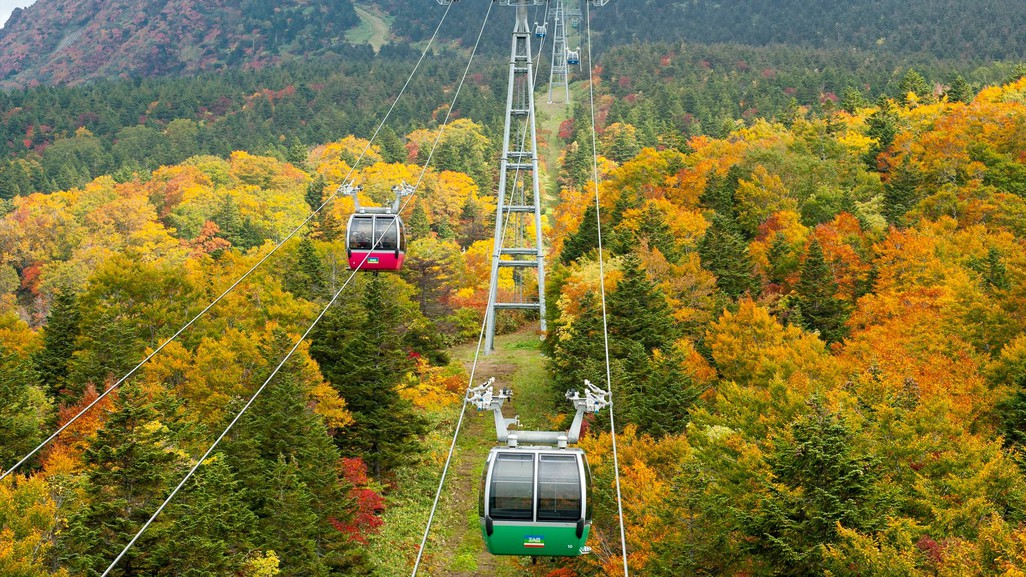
(307, 280)
(583, 240)
(129, 466)
(659, 393)
(296, 152)
(960, 91)
(638, 311)
(821, 310)
(315, 192)
(283, 456)
(362, 350)
(472, 227)
(901, 194)
(24, 408)
(913, 82)
(392, 149)
(725, 254)
(59, 336)
(208, 529)
(820, 482)
(418, 227)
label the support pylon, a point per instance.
(559, 74)
(519, 162)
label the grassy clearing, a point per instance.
(455, 547)
(373, 29)
(550, 116)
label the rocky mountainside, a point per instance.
(69, 41)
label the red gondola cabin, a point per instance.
(375, 242)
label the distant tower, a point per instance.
(519, 205)
(559, 73)
(518, 208)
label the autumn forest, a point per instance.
(813, 274)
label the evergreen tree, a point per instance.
(129, 466)
(914, 83)
(306, 280)
(62, 330)
(579, 354)
(782, 262)
(362, 351)
(287, 466)
(289, 524)
(821, 310)
(901, 194)
(624, 145)
(296, 152)
(960, 91)
(229, 220)
(883, 127)
(578, 165)
(315, 192)
(852, 99)
(725, 254)
(638, 311)
(997, 273)
(820, 482)
(791, 114)
(583, 240)
(659, 393)
(472, 225)
(207, 531)
(659, 235)
(24, 408)
(109, 348)
(418, 226)
(249, 236)
(392, 149)
(14, 180)
(1012, 414)
(719, 195)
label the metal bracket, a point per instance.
(401, 191)
(484, 398)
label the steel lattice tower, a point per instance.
(516, 210)
(559, 73)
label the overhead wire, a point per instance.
(477, 353)
(326, 202)
(602, 288)
(303, 337)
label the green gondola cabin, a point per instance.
(534, 501)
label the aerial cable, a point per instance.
(477, 352)
(463, 410)
(330, 199)
(473, 370)
(602, 288)
(297, 344)
(220, 437)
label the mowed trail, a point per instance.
(374, 29)
(516, 363)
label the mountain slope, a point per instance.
(70, 41)
(67, 41)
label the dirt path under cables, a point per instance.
(516, 363)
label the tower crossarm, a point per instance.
(485, 398)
